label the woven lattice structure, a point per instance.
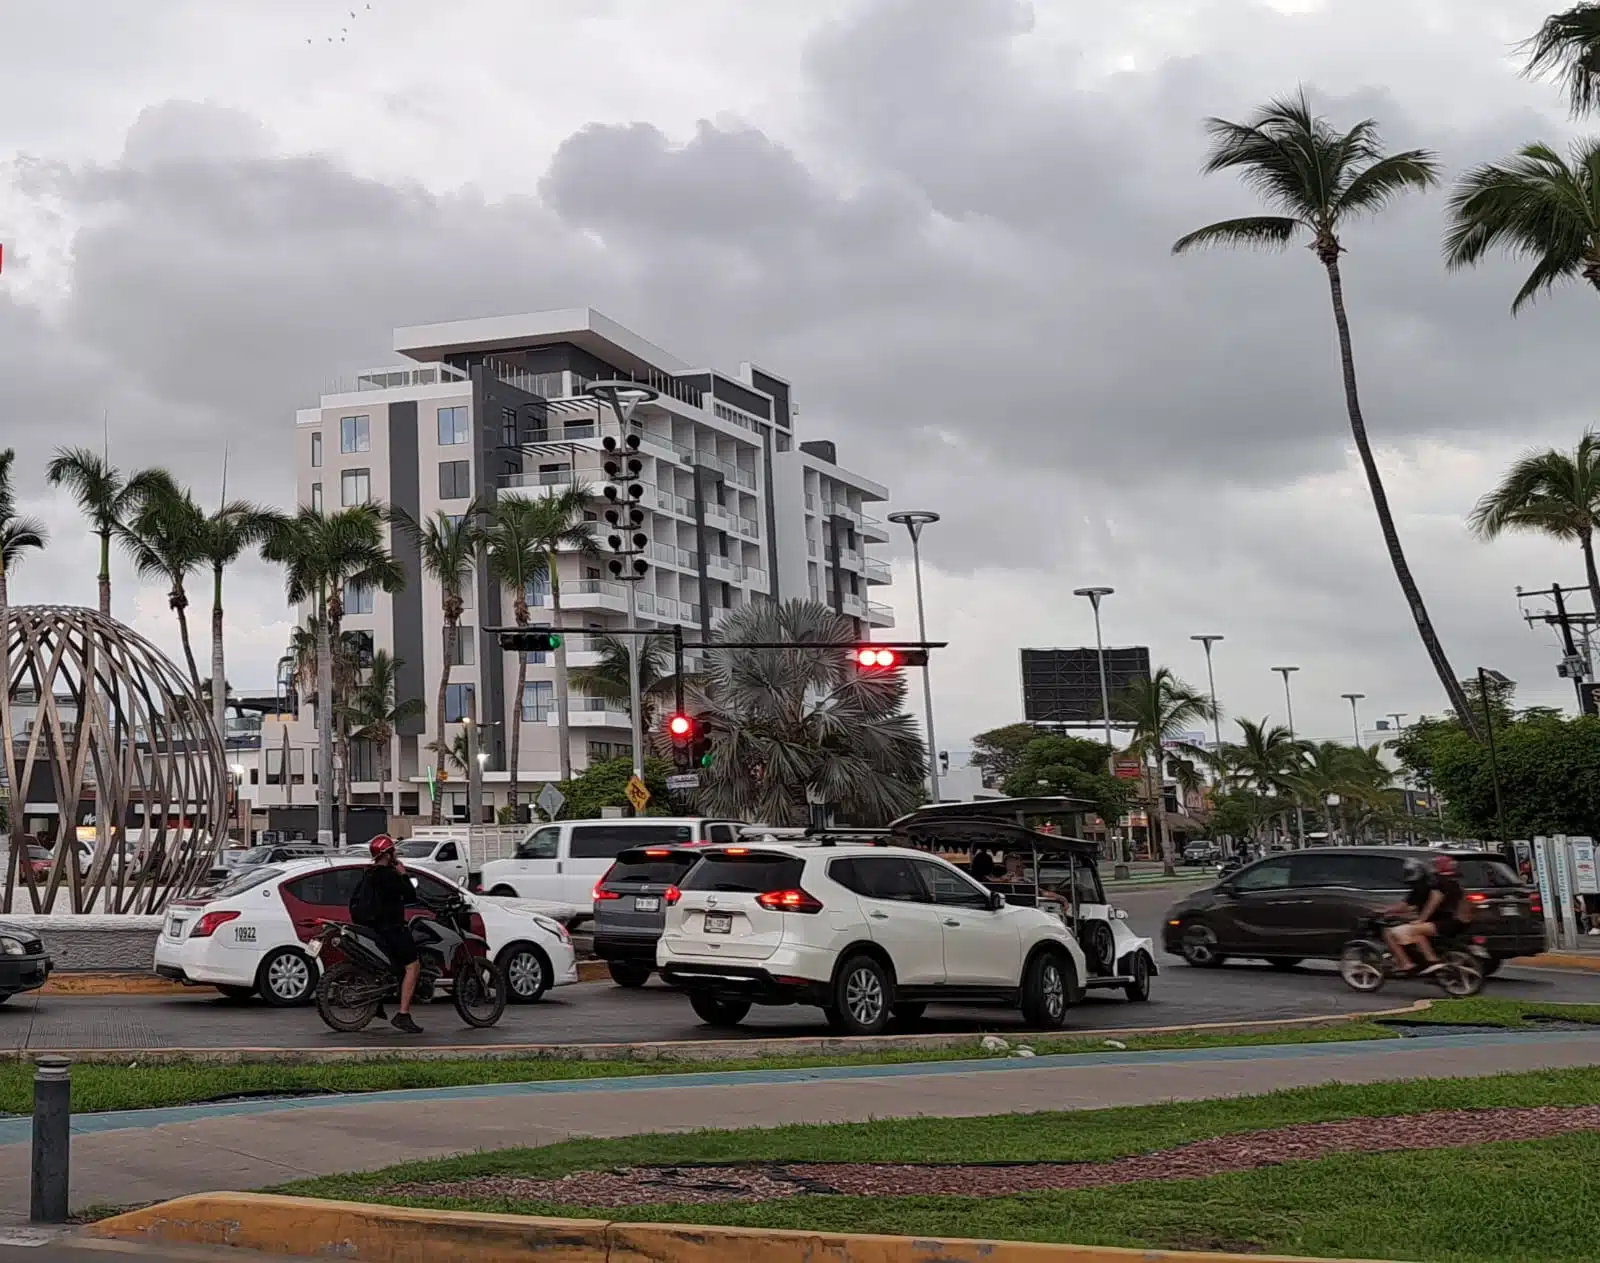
(93, 713)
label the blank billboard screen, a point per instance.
(1062, 686)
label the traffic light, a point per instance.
(533, 641)
(680, 728)
(688, 742)
(873, 659)
(624, 468)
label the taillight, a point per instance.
(789, 901)
(671, 894)
(1536, 904)
(1476, 897)
(601, 893)
(206, 926)
(657, 854)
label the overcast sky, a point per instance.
(947, 221)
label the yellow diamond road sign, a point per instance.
(638, 794)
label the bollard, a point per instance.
(52, 1140)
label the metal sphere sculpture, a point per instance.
(93, 713)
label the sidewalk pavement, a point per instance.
(160, 1154)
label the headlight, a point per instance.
(550, 926)
(10, 946)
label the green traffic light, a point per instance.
(555, 642)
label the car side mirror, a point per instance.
(996, 901)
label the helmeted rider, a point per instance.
(1436, 905)
(379, 904)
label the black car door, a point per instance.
(1328, 896)
(1258, 906)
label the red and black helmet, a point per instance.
(1445, 865)
(381, 845)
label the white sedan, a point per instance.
(249, 936)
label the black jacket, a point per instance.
(380, 898)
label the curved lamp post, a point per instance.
(914, 520)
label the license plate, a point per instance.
(1510, 910)
(718, 923)
(647, 903)
(175, 928)
(314, 948)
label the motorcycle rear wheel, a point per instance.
(347, 1000)
(480, 992)
(1462, 975)
(1361, 967)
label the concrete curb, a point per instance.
(1562, 960)
(687, 1051)
(392, 1234)
(101, 984)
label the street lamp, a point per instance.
(1355, 718)
(1211, 679)
(1095, 595)
(1486, 677)
(914, 520)
(1288, 701)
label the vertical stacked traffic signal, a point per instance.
(624, 513)
(691, 744)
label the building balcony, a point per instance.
(879, 615)
(876, 571)
(738, 477)
(671, 555)
(668, 503)
(756, 577)
(539, 478)
(873, 529)
(592, 712)
(593, 594)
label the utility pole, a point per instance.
(1288, 701)
(1576, 665)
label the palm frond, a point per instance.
(1269, 232)
(1373, 188)
(1568, 44)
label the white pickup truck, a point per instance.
(448, 851)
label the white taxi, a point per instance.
(249, 936)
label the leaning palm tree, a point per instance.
(556, 525)
(20, 534)
(166, 540)
(448, 547)
(790, 728)
(1552, 493)
(1157, 709)
(515, 559)
(105, 497)
(375, 710)
(1569, 44)
(320, 553)
(234, 527)
(1537, 206)
(1319, 179)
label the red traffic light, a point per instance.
(680, 728)
(873, 658)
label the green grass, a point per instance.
(101, 1086)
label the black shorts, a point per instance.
(398, 944)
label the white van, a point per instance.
(564, 860)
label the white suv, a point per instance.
(864, 932)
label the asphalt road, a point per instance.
(602, 1013)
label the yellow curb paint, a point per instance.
(1562, 960)
(113, 984)
(593, 971)
(393, 1234)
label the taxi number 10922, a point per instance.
(244, 934)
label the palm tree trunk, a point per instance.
(1159, 837)
(516, 729)
(180, 604)
(219, 675)
(1593, 575)
(324, 724)
(563, 727)
(1380, 501)
(344, 782)
(105, 573)
(437, 813)
(11, 811)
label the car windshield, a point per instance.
(255, 855)
(415, 848)
(38, 853)
(245, 881)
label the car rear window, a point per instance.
(1477, 874)
(246, 880)
(643, 870)
(606, 841)
(753, 874)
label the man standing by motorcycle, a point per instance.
(1436, 904)
(379, 904)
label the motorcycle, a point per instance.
(1367, 962)
(363, 979)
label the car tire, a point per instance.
(1139, 989)
(1284, 962)
(237, 994)
(714, 1011)
(1047, 991)
(908, 1012)
(1199, 947)
(863, 997)
(631, 974)
(527, 973)
(503, 892)
(287, 978)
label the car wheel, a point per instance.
(863, 997)
(717, 1012)
(1139, 988)
(1284, 962)
(907, 1012)
(286, 978)
(503, 892)
(1046, 988)
(527, 973)
(237, 994)
(629, 973)
(1200, 947)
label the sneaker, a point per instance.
(403, 1022)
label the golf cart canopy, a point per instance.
(996, 825)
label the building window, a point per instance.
(458, 702)
(316, 451)
(316, 497)
(537, 698)
(355, 487)
(452, 426)
(355, 434)
(455, 480)
(508, 427)
(463, 655)
(358, 598)
(782, 441)
(364, 762)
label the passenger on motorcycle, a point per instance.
(1436, 905)
(379, 904)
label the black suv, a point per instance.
(630, 908)
(1308, 904)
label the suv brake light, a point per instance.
(207, 925)
(601, 893)
(795, 900)
(671, 895)
(1536, 904)
(1477, 897)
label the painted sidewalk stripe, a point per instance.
(18, 1129)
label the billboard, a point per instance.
(1062, 686)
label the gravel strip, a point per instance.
(639, 1186)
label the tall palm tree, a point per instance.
(515, 559)
(234, 527)
(448, 546)
(1157, 710)
(1264, 761)
(1536, 205)
(1319, 179)
(166, 539)
(1553, 493)
(105, 497)
(375, 711)
(320, 553)
(20, 534)
(608, 678)
(556, 525)
(790, 728)
(1569, 44)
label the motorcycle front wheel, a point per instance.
(1361, 967)
(347, 998)
(1462, 975)
(480, 992)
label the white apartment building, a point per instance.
(739, 510)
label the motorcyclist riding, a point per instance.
(379, 904)
(1436, 905)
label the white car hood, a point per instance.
(552, 908)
